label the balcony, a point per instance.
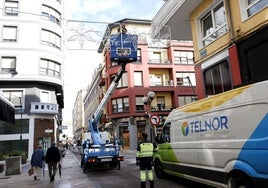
(173, 20)
(159, 61)
(168, 83)
(44, 108)
(161, 108)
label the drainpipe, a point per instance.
(230, 21)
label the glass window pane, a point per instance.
(226, 77)
(209, 82)
(124, 80)
(207, 25)
(219, 15)
(8, 62)
(45, 36)
(137, 78)
(10, 32)
(217, 79)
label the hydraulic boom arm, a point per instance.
(93, 122)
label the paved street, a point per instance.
(73, 176)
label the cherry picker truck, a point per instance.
(123, 50)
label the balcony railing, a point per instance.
(169, 83)
(159, 61)
(161, 108)
(44, 108)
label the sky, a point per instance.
(91, 17)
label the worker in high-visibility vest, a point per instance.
(144, 159)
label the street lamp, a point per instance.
(147, 101)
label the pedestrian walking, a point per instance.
(62, 155)
(37, 159)
(52, 159)
(144, 159)
(84, 146)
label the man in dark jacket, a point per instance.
(52, 159)
(37, 159)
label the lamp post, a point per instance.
(147, 100)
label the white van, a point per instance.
(220, 141)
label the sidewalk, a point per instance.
(70, 167)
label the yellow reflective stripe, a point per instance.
(143, 175)
(150, 175)
(146, 150)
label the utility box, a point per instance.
(13, 165)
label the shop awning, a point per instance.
(7, 110)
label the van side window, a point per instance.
(165, 136)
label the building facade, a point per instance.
(31, 64)
(93, 96)
(78, 115)
(164, 67)
(230, 40)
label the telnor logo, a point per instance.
(201, 126)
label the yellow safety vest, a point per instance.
(146, 150)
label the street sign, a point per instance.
(48, 130)
(155, 120)
(63, 127)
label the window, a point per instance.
(10, 34)
(139, 103)
(120, 105)
(8, 65)
(253, 57)
(50, 68)
(155, 57)
(51, 14)
(160, 103)
(185, 79)
(20, 126)
(165, 135)
(11, 8)
(138, 78)
(44, 97)
(50, 38)
(183, 57)
(138, 55)
(141, 125)
(183, 100)
(213, 24)
(14, 96)
(218, 79)
(251, 7)
(123, 82)
(156, 80)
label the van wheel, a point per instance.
(239, 182)
(158, 168)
